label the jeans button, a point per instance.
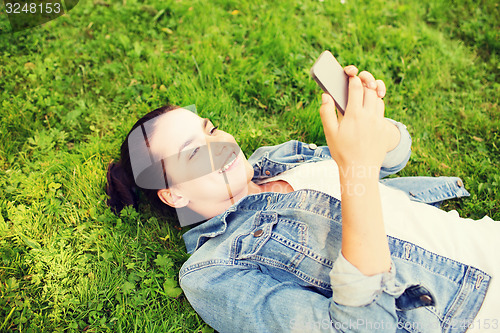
(426, 299)
(480, 278)
(267, 172)
(258, 233)
(460, 183)
(312, 146)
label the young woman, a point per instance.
(300, 238)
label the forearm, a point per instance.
(364, 241)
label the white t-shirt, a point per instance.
(471, 242)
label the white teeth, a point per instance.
(225, 167)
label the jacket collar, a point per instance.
(195, 237)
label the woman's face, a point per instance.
(206, 169)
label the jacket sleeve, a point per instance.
(396, 159)
(242, 298)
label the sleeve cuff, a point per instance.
(352, 288)
(400, 153)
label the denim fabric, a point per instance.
(266, 264)
(353, 288)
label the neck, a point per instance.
(254, 188)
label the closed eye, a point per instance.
(212, 131)
(194, 152)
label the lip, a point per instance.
(235, 161)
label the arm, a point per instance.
(359, 142)
(364, 241)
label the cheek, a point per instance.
(215, 187)
(207, 188)
(189, 172)
(240, 177)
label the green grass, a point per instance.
(71, 89)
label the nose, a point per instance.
(219, 151)
(216, 149)
(218, 145)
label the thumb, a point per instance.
(328, 114)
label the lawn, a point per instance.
(71, 89)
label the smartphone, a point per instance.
(330, 76)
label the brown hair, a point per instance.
(121, 187)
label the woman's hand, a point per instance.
(392, 132)
(359, 138)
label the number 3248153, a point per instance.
(33, 8)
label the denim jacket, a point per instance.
(272, 261)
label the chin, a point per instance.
(249, 170)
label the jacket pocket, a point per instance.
(273, 240)
(415, 297)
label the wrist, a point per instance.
(359, 172)
(358, 182)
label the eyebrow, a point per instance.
(189, 141)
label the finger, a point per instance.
(380, 107)
(370, 100)
(381, 90)
(368, 79)
(351, 70)
(327, 113)
(340, 116)
(355, 98)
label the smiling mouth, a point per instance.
(231, 160)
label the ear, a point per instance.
(169, 197)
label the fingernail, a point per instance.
(372, 85)
(380, 93)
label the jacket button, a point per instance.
(426, 299)
(267, 172)
(460, 183)
(258, 233)
(312, 146)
